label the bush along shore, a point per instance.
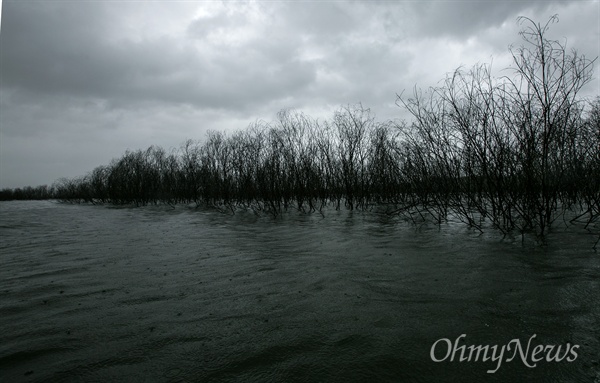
(518, 152)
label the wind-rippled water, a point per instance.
(100, 294)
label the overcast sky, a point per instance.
(83, 81)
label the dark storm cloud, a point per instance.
(47, 47)
(53, 50)
(83, 50)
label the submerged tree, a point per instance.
(544, 91)
(505, 147)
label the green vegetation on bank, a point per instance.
(517, 151)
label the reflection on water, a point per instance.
(175, 295)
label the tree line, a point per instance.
(518, 151)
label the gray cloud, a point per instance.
(461, 19)
(61, 56)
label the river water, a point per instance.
(96, 294)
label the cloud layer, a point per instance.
(82, 82)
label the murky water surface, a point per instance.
(101, 294)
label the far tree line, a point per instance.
(519, 152)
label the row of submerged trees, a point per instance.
(296, 162)
(42, 192)
(519, 152)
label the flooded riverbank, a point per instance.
(93, 293)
